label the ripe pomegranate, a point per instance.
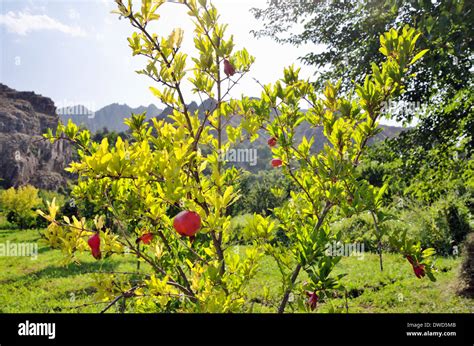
(418, 269)
(187, 223)
(312, 300)
(229, 70)
(94, 244)
(272, 142)
(277, 163)
(146, 238)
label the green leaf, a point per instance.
(418, 56)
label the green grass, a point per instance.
(45, 285)
(397, 289)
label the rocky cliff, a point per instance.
(25, 156)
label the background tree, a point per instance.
(443, 84)
(350, 30)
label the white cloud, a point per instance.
(22, 23)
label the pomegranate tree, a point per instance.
(175, 164)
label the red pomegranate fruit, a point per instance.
(187, 223)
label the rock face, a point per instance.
(25, 156)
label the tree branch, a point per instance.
(297, 270)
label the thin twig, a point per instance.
(125, 294)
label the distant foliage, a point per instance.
(357, 229)
(443, 225)
(110, 135)
(258, 193)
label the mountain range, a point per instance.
(111, 117)
(27, 158)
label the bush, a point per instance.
(4, 224)
(19, 205)
(358, 229)
(442, 225)
(237, 226)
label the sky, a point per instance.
(76, 51)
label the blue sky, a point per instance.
(76, 51)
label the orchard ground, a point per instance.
(45, 285)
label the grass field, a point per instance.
(44, 285)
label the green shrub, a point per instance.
(237, 225)
(4, 224)
(46, 196)
(442, 225)
(19, 205)
(358, 229)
